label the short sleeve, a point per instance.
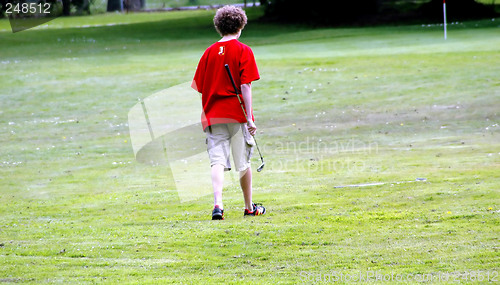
(199, 76)
(248, 67)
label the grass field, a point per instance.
(334, 107)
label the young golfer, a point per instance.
(226, 126)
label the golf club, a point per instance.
(259, 169)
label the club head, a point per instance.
(259, 169)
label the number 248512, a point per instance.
(25, 8)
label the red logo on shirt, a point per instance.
(221, 50)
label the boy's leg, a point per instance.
(246, 187)
(217, 184)
(241, 146)
(251, 209)
(218, 138)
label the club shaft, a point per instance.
(236, 90)
(241, 104)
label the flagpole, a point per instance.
(444, 17)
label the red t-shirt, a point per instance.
(219, 101)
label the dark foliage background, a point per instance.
(327, 12)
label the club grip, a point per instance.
(231, 77)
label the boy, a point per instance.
(223, 120)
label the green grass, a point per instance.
(334, 107)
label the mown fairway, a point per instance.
(334, 107)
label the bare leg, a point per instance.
(218, 183)
(246, 186)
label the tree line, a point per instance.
(362, 12)
(319, 12)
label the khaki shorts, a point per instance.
(234, 136)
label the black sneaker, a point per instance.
(217, 213)
(256, 211)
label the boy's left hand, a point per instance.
(252, 128)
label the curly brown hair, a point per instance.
(229, 20)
